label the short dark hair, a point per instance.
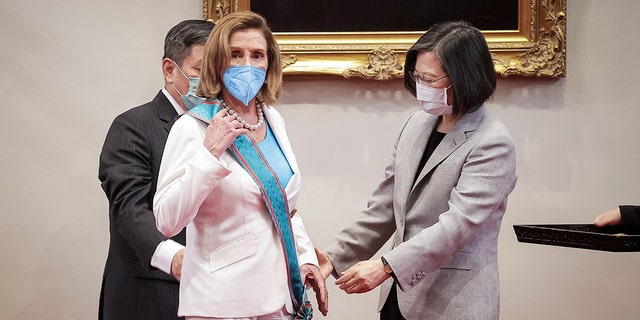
(178, 42)
(465, 58)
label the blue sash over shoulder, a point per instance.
(248, 154)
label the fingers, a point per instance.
(347, 281)
(609, 218)
(221, 132)
(353, 285)
(230, 119)
(320, 288)
(313, 278)
(362, 277)
(322, 297)
(349, 286)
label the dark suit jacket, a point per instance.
(630, 215)
(129, 164)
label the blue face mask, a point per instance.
(190, 99)
(244, 82)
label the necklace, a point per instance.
(252, 127)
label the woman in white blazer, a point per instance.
(229, 175)
(444, 193)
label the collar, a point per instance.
(174, 103)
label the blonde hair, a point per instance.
(217, 56)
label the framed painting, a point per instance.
(369, 39)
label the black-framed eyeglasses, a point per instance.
(424, 80)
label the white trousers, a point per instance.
(281, 314)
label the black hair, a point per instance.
(465, 58)
(178, 42)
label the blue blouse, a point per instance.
(275, 157)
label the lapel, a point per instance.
(166, 112)
(408, 154)
(452, 141)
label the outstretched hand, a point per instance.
(312, 277)
(363, 277)
(610, 218)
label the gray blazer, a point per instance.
(445, 226)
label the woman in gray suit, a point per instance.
(444, 193)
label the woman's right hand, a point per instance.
(221, 132)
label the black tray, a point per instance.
(584, 236)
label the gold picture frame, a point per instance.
(537, 48)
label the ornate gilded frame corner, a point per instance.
(537, 48)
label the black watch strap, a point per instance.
(387, 267)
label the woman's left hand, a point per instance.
(312, 276)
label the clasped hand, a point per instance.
(221, 132)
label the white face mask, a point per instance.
(433, 100)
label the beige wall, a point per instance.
(69, 67)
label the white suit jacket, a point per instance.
(445, 225)
(233, 263)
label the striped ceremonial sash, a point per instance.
(248, 154)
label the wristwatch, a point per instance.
(387, 267)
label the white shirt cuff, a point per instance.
(163, 256)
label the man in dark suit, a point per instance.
(142, 271)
